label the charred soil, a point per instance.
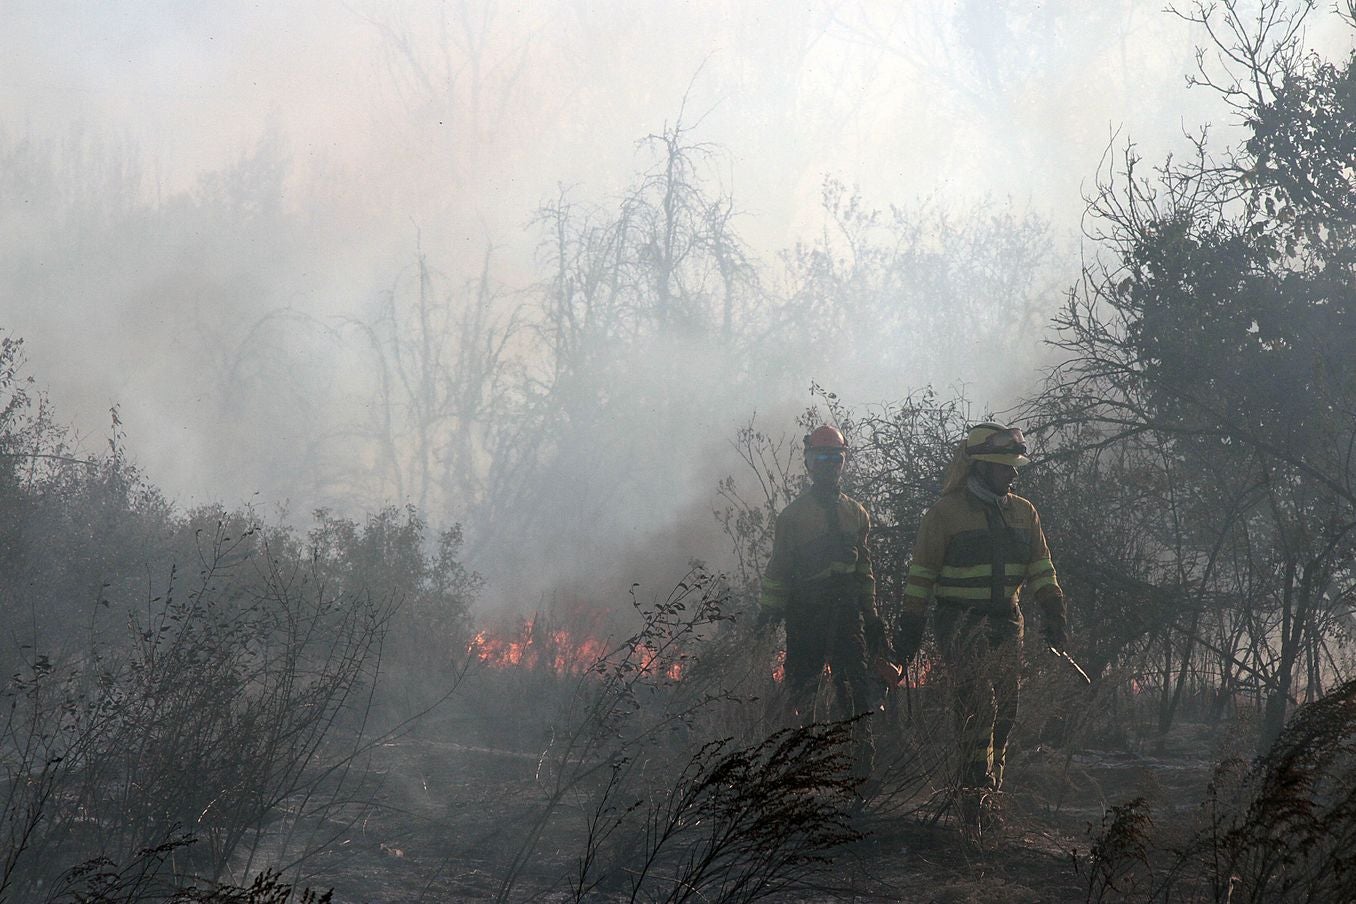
(449, 818)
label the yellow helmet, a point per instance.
(998, 444)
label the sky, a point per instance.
(476, 111)
(381, 131)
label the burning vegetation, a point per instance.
(212, 705)
(559, 651)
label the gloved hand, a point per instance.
(909, 637)
(887, 672)
(1056, 633)
(1053, 617)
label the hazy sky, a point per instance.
(478, 110)
(445, 125)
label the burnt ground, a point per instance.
(449, 816)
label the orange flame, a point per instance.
(560, 651)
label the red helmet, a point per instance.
(825, 437)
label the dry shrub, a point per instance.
(642, 777)
(1283, 830)
(738, 824)
(104, 881)
(212, 722)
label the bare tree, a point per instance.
(1212, 345)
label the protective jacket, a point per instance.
(819, 580)
(978, 558)
(981, 557)
(819, 545)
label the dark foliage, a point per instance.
(742, 824)
(1283, 831)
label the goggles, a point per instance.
(1003, 442)
(827, 456)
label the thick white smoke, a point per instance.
(205, 209)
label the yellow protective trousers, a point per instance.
(981, 658)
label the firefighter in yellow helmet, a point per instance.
(980, 552)
(819, 580)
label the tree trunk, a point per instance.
(1168, 712)
(1277, 707)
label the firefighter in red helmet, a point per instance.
(981, 553)
(819, 580)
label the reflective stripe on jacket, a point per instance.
(967, 556)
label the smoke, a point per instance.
(206, 209)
